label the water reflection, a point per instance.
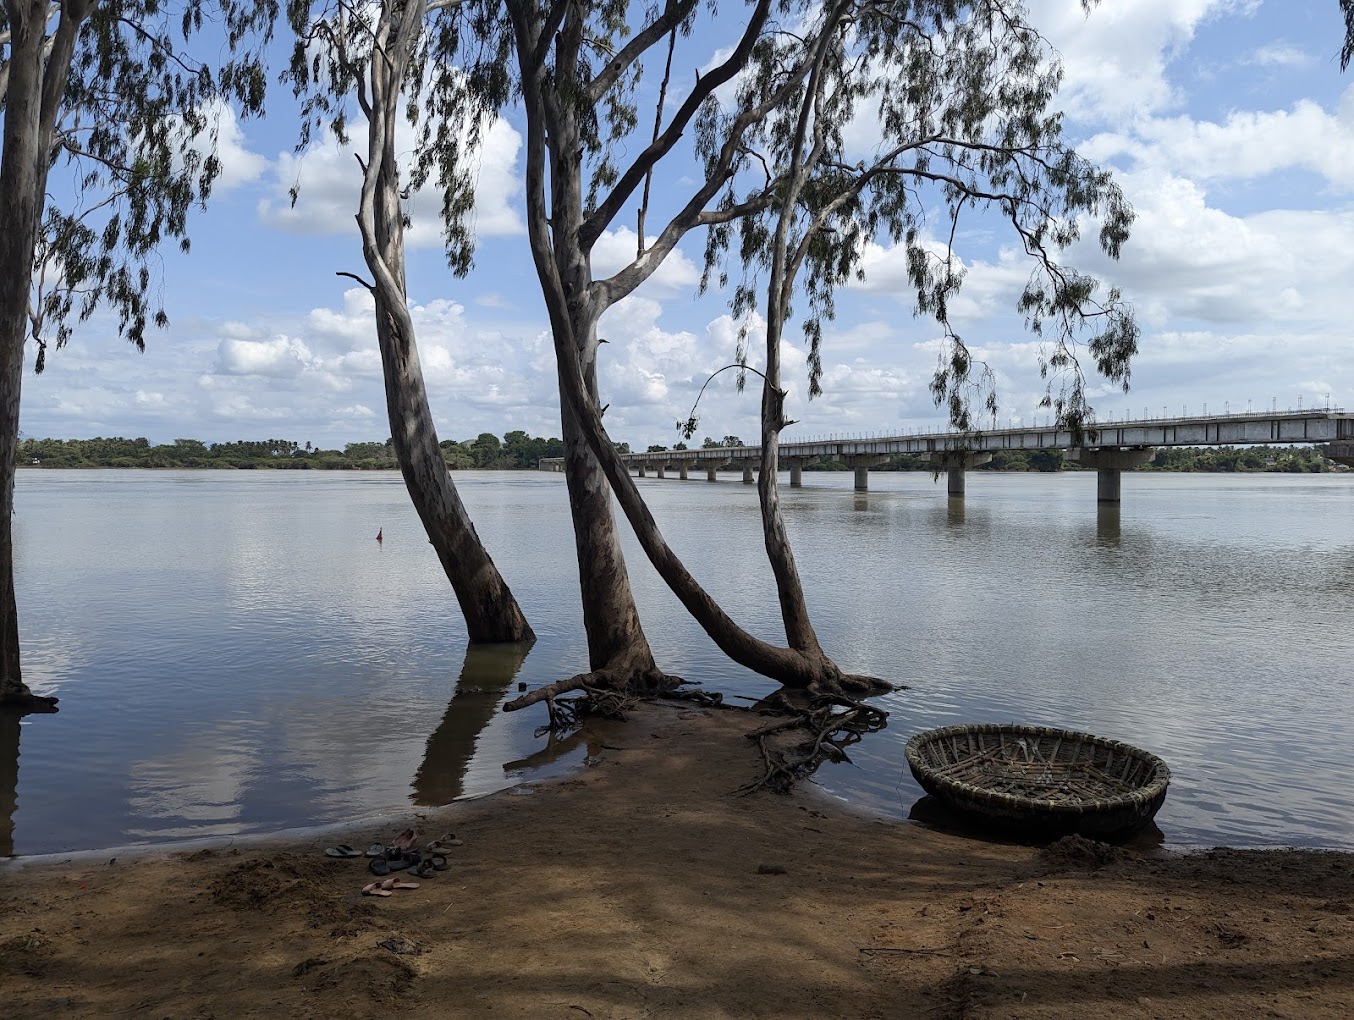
(486, 675)
(1107, 525)
(9, 778)
(954, 512)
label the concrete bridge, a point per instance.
(1112, 448)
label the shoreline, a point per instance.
(637, 886)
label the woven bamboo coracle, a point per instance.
(1038, 778)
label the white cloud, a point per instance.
(616, 249)
(1116, 58)
(1247, 145)
(1281, 54)
(279, 357)
(328, 180)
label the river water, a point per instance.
(235, 653)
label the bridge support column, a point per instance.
(861, 464)
(796, 474)
(955, 465)
(641, 471)
(712, 474)
(681, 470)
(747, 473)
(658, 471)
(1109, 463)
(1341, 452)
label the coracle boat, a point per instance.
(1039, 779)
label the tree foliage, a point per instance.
(133, 146)
(962, 95)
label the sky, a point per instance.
(1227, 122)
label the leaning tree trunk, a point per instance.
(490, 610)
(562, 265)
(619, 655)
(616, 640)
(32, 95)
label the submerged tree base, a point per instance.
(25, 702)
(831, 718)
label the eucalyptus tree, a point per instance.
(106, 93)
(961, 97)
(969, 77)
(961, 93)
(372, 52)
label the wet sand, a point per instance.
(639, 887)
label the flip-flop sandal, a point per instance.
(445, 842)
(425, 869)
(438, 862)
(399, 885)
(342, 850)
(376, 850)
(374, 889)
(379, 866)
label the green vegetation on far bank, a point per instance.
(514, 451)
(519, 451)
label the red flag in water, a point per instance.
(379, 534)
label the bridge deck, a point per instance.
(1315, 426)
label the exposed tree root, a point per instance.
(606, 694)
(832, 722)
(829, 712)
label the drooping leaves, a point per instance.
(961, 98)
(134, 150)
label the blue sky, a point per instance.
(1228, 122)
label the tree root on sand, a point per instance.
(605, 694)
(833, 722)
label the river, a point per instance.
(236, 653)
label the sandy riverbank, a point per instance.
(638, 888)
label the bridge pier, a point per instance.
(1109, 463)
(861, 464)
(796, 473)
(658, 471)
(681, 470)
(1341, 452)
(747, 473)
(641, 471)
(954, 465)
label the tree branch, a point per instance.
(607, 209)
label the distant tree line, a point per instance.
(516, 450)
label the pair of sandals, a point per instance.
(387, 887)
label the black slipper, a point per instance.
(438, 862)
(424, 869)
(342, 850)
(384, 866)
(376, 850)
